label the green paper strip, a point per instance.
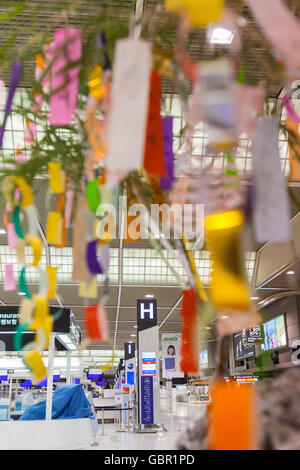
(17, 224)
(23, 285)
(17, 339)
(92, 195)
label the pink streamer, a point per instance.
(12, 236)
(63, 102)
(9, 283)
(30, 132)
(289, 109)
(280, 27)
(21, 157)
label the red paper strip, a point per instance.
(190, 348)
(154, 161)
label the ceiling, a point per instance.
(129, 280)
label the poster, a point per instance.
(171, 346)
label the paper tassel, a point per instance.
(271, 209)
(190, 347)
(232, 417)
(96, 322)
(9, 282)
(65, 82)
(154, 145)
(129, 105)
(93, 195)
(36, 245)
(26, 311)
(26, 191)
(293, 148)
(167, 180)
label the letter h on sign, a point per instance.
(146, 314)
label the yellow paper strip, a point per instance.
(26, 191)
(56, 177)
(87, 289)
(35, 362)
(36, 245)
(54, 228)
(51, 272)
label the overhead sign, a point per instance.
(253, 335)
(171, 357)
(129, 350)
(146, 314)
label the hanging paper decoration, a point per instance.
(189, 331)
(281, 29)
(9, 280)
(96, 322)
(129, 104)
(232, 417)
(200, 12)
(51, 272)
(218, 104)
(65, 81)
(154, 146)
(80, 270)
(11, 236)
(294, 148)
(35, 362)
(89, 288)
(30, 132)
(14, 83)
(54, 228)
(271, 209)
(167, 180)
(56, 177)
(93, 195)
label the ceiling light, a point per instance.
(220, 35)
(225, 316)
(2, 231)
(134, 326)
(254, 298)
(21, 293)
(208, 327)
(149, 296)
(291, 272)
(133, 335)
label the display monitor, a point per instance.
(56, 375)
(26, 383)
(95, 374)
(3, 375)
(76, 381)
(203, 359)
(274, 333)
(101, 383)
(242, 350)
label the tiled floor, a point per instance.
(173, 422)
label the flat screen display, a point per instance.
(3, 375)
(95, 374)
(241, 350)
(274, 333)
(26, 383)
(101, 383)
(203, 359)
(56, 375)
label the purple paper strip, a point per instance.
(91, 258)
(14, 83)
(166, 182)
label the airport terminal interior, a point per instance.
(150, 225)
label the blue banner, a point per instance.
(147, 400)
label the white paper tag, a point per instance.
(129, 105)
(271, 208)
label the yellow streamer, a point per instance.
(54, 228)
(51, 272)
(36, 245)
(35, 362)
(88, 290)
(26, 191)
(26, 310)
(56, 177)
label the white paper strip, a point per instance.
(129, 105)
(271, 208)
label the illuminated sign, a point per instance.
(146, 314)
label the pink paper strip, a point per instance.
(281, 28)
(12, 236)
(63, 102)
(21, 157)
(30, 132)
(9, 282)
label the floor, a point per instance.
(174, 422)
